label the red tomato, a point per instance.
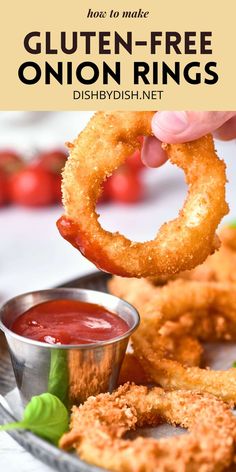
(134, 161)
(31, 187)
(3, 189)
(57, 188)
(125, 187)
(105, 196)
(52, 161)
(10, 162)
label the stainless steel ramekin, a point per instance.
(72, 372)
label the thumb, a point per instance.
(182, 126)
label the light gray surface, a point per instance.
(32, 254)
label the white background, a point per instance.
(32, 253)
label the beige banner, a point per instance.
(150, 42)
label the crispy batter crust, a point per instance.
(98, 428)
(183, 348)
(201, 309)
(171, 302)
(180, 244)
(218, 267)
(206, 324)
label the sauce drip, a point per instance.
(69, 322)
(73, 233)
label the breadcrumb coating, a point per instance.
(181, 243)
(98, 429)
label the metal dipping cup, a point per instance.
(71, 372)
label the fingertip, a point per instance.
(182, 126)
(227, 131)
(169, 126)
(152, 153)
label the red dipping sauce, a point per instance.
(69, 322)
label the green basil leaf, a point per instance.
(234, 364)
(58, 375)
(45, 415)
(9, 426)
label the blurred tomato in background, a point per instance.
(3, 189)
(37, 183)
(10, 161)
(31, 187)
(125, 185)
(52, 161)
(31, 184)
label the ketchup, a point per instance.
(75, 235)
(69, 322)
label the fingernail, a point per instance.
(171, 121)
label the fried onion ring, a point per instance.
(172, 301)
(206, 325)
(99, 425)
(180, 244)
(184, 349)
(218, 267)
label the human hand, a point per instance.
(182, 126)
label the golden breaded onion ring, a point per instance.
(99, 425)
(184, 349)
(181, 243)
(172, 301)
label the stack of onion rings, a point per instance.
(206, 325)
(180, 244)
(177, 298)
(181, 347)
(98, 428)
